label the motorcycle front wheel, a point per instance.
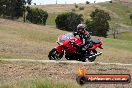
(54, 55)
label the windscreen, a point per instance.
(66, 37)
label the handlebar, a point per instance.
(59, 43)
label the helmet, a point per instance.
(81, 28)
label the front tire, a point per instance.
(54, 55)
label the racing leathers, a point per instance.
(86, 40)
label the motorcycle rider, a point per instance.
(84, 36)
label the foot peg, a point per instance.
(100, 47)
(97, 54)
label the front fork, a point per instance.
(59, 52)
(59, 49)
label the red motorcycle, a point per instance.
(69, 45)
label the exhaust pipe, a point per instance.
(97, 54)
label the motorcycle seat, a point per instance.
(96, 41)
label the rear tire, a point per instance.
(83, 60)
(93, 58)
(69, 56)
(53, 55)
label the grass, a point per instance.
(121, 11)
(22, 40)
(42, 84)
(14, 55)
(30, 41)
(31, 35)
(115, 51)
(123, 36)
(51, 18)
(54, 10)
(118, 44)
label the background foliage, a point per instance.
(68, 21)
(37, 16)
(99, 23)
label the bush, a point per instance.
(12, 9)
(110, 1)
(87, 2)
(81, 8)
(68, 21)
(76, 6)
(99, 24)
(37, 16)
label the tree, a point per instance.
(29, 2)
(2, 8)
(26, 8)
(68, 21)
(110, 1)
(99, 23)
(37, 16)
(76, 6)
(34, 3)
(87, 2)
(114, 32)
(81, 8)
(12, 8)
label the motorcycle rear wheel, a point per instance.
(93, 58)
(54, 55)
(90, 59)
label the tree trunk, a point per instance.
(24, 15)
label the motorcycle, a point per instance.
(69, 45)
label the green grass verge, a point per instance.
(121, 10)
(42, 84)
(31, 35)
(118, 44)
(21, 40)
(123, 36)
(51, 18)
